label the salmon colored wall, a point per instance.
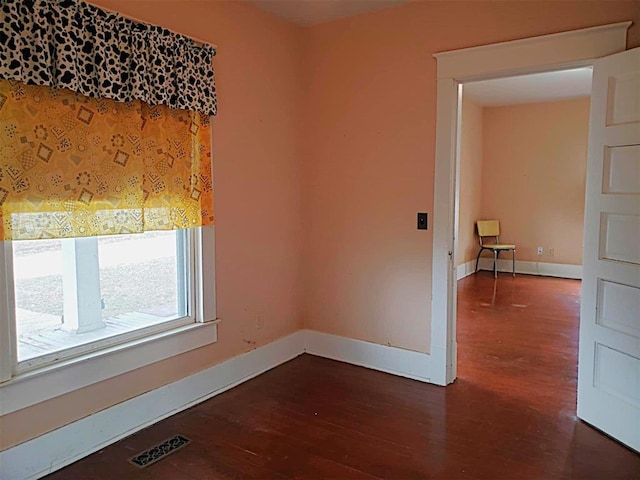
(258, 213)
(369, 153)
(324, 152)
(470, 198)
(533, 176)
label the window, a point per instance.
(106, 229)
(74, 295)
(102, 224)
(156, 300)
(106, 199)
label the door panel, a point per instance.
(622, 98)
(609, 359)
(619, 238)
(614, 374)
(618, 306)
(622, 170)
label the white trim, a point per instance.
(54, 450)
(553, 51)
(205, 268)
(394, 360)
(87, 350)
(7, 327)
(465, 269)
(537, 54)
(443, 284)
(39, 385)
(560, 270)
(63, 446)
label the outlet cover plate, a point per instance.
(422, 221)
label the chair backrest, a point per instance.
(488, 228)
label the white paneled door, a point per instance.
(609, 361)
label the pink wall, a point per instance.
(470, 198)
(324, 152)
(525, 165)
(533, 176)
(369, 154)
(258, 213)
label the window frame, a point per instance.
(18, 367)
(22, 387)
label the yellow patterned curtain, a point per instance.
(74, 166)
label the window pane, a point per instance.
(139, 276)
(73, 292)
(37, 272)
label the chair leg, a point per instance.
(478, 259)
(495, 264)
(513, 253)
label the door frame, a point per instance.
(559, 51)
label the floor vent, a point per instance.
(159, 451)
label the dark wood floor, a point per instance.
(509, 415)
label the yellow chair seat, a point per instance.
(499, 246)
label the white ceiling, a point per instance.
(311, 12)
(539, 87)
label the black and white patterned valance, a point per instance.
(75, 45)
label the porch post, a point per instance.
(81, 285)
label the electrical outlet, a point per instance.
(550, 252)
(259, 322)
(540, 250)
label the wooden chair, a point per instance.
(487, 230)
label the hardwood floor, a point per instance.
(509, 415)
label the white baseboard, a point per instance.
(49, 452)
(465, 269)
(397, 361)
(533, 268)
(63, 446)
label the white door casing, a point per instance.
(578, 48)
(609, 358)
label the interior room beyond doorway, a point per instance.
(522, 161)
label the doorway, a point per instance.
(609, 355)
(522, 158)
(561, 51)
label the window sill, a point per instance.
(52, 381)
